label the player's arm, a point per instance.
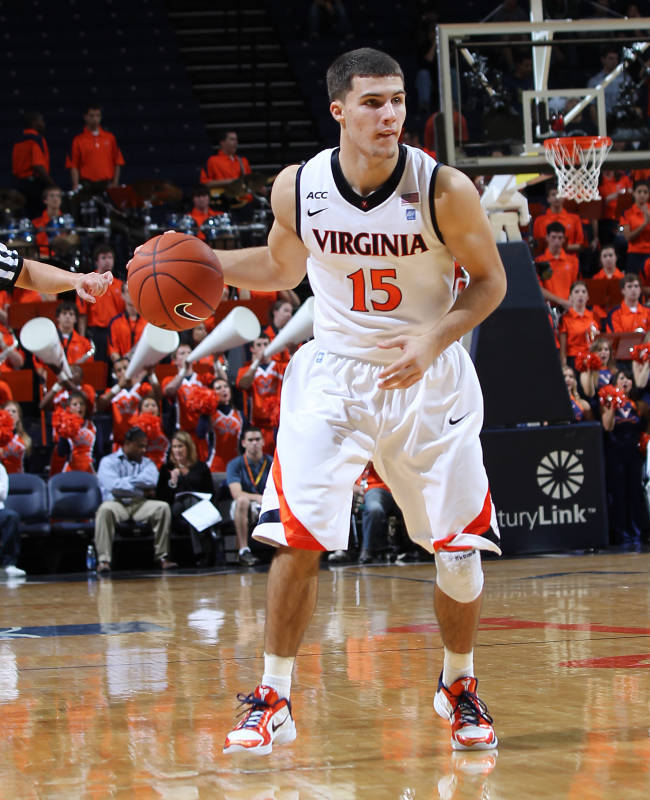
(468, 236)
(45, 278)
(280, 265)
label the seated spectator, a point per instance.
(565, 268)
(178, 389)
(128, 481)
(261, 380)
(574, 236)
(226, 166)
(124, 398)
(246, 476)
(593, 379)
(624, 420)
(378, 506)
(12, 455)
(148, 418)
(201, 210)
(125, 329)
(581, 408)
(9, 532)
(181, 474)
(607, 261)
(51, 238)
(96, 317)
(631, 315)
(227, 424)
(76, 435)
(578, 325)
(635, 223)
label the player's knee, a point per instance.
(460, 574)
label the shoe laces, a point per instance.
(471, 709)
(258, 708)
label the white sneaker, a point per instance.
(14, 572)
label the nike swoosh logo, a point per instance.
(453, 421)
(181, 310)
(274, 727)
(311, 213)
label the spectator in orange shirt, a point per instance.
(95, 318)
(95, 159)
(74, 345)
(201, 209)
(52, 239)
(226, 166)
(636, 228)
(11, 356)
(125, 329)
(565, 267)
(608, 260)
(30, 163)
(556, 213)
(178, 390)
(631, 315)
(578, 325)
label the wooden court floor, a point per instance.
(125, 688)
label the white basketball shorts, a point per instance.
(423, 441)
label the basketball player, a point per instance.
(18, 271)
(377, 226)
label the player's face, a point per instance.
(282, 315)
(104, 262)
(631, 292)
(372, 115)
(253, 443)
(223, 391)
(608, 259)
(149, 406)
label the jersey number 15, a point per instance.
(378, 281)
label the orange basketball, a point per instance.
(175, 281)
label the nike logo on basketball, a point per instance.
(181, 310)
(275, 726)
(311, 213)
(453, 421)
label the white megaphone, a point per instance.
(154, 344)
(239, 327)
(299, 328)
(41, 338)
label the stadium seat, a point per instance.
(74, 497)
(27, 496)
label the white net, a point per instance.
(577, 162)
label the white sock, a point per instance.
(457, 665)
(277, 674)
(244, 550)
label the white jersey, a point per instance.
(377, 265)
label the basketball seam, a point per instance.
(187, 288)
(153, 272)
(189, 261)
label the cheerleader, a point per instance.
(226, 423)
(80, 441)
(13, 453)
(149, 420)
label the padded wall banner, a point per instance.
(548, 487)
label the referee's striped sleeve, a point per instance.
(10, 266)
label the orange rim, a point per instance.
(583, 142)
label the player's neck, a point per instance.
(363, 173)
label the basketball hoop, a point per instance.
(577, 161)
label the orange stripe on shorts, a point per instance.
(479, 525)
(296, 534)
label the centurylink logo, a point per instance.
(560, 474)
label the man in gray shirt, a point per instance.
(128, 482)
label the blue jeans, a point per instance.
(9, 537)
(378, 505)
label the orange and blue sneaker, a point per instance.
(267, 720)
(471, 724)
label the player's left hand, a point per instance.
(418, 353)
(93, 285)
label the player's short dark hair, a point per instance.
(102, 248)
(363, 62)
(556, 227)
(200, 190)
(66, 305)
(629, 277)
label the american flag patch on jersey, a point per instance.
(410, 197)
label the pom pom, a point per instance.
(6, 427)
(605, 395)
(149, 423)
(201, 400)
(66, 425)
(206, 378)
(641, 352)
(584, 362)
(145, 389)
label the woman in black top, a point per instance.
(183, 472)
